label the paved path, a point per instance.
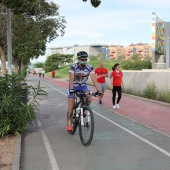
(118, 144)
(153, 114)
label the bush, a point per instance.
(24, 72)
(47, 68)
(15, 114)
(164, 96)
(136, 65)
(150, 91)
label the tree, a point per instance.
(39, 65)
(93, 58)
(100, 56)
(3, 39)
(53, 61)
(20, 6)
(135, 57)
(121, 57)
(148, 58)
(31, 33)
(95, 3)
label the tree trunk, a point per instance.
(3, 61)
(20, 66)
(15, 65)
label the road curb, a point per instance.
(17, 153)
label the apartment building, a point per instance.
(142, 49)
(114, 52)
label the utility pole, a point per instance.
(167, 54)
(9, 41)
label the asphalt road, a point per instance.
(118, 143)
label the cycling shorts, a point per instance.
(83, 88)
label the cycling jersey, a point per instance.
(81, 74)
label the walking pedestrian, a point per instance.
(53, 74)
(40, 73)
(101, 73)
(116, 85)
(43, 72)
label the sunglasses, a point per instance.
(83, 59)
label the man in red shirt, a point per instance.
(101, 73)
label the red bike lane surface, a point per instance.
(148, 113)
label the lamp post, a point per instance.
(9, 41)
(167, 54)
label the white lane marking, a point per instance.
(53, 162)
(53, 87)
(59, 105)
(125, 129)
(134, 134)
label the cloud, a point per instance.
(150, 3)
(107, 22)
(118, 21)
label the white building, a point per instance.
(92, 50)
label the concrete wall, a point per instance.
(138, 80)
(167, 44)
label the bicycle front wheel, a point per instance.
(86, 128)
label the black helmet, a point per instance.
(82, 54)
(82, 57)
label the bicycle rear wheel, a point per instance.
(86, 130)
(74, 122)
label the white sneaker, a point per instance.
(117, 106)
(114, 107)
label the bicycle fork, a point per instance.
(82, 116)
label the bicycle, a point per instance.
(83, 117)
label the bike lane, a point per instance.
(153, 114)
(118, 142)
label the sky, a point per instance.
(114, 22)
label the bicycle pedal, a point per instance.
(87, 124)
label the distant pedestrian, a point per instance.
(43, 73)
(53, 74)
(116, 85)
(101, 73)
(40, 73)
(34, 72)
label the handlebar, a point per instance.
(83, 93)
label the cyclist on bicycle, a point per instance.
(78, 75)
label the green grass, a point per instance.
(125, 65)
(107, 64)
(60, 73)
(150, 91)
(63, 71)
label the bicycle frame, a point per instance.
(81, 103)
(83, 117)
